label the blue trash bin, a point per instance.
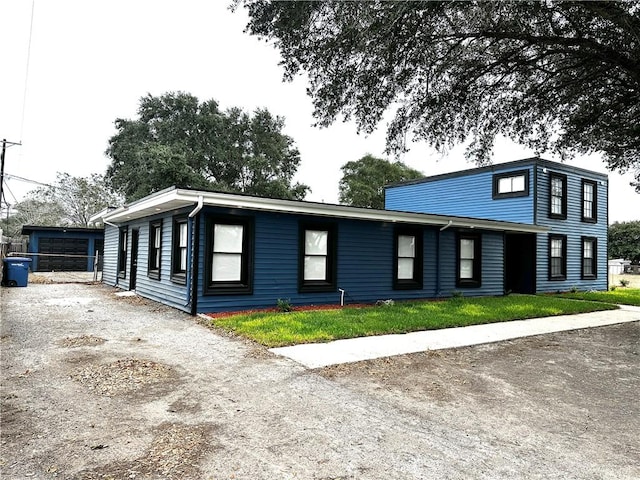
(16, 271)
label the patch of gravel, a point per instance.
(123, 376)
(81, 341)
(175, 453)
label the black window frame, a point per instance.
(152, 272)
(517, 173)
(594, 258)
(178, 275)
(563, 201)
(318, 286)
(123, 234)
(563, 274)
(476, 280)
(416, 282)
(594, 202)
(235, 287)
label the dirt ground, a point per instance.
(96, 386)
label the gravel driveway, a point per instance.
(96, 386)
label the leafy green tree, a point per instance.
(362, 183)
(557, 76)
(32, 211)
(624, 241)
(179, 141)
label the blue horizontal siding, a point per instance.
(574, 228)
(110, 255)
(365, 263)
(468, 196)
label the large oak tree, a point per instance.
(363, 181)
(561, 77)
(177, 140)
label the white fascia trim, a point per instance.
(180, 198)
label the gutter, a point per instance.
(192, 289)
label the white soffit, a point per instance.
(174, 199)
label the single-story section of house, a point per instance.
(202, 251)
(63, 249)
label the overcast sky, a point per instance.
(90, 62)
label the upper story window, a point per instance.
(408, 259)
(469, 253)
(179, 250)
(122, 252)
(511, 184)
(589, 256)
(557, 257)
(558, 196)
(589, 201)
(155, 249)
(317, 263)
(229, 255)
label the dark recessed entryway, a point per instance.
(520, 263)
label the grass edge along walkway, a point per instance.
(278, 329)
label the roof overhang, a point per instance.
(179, 199)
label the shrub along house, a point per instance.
(205, 251)
(571, 203)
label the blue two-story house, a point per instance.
(527, 226)
(571, 203)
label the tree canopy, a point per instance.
(362, 183)
(70, 201)
(177, 140)
(561, 77)
(624, 241)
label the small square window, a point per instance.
(511, 184)
(229, 255)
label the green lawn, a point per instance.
(280, 329)
(623, 296)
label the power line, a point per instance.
(26, 74)
(28, 180)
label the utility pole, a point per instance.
(4, 149)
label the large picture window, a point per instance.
(589, 201)
(317, 268)
(155, 249)
(558, 196)
(229, 255)
(469, 260)
(408, 259)
(511, 184)
(589, 258)
(557, 257)
(122, 252)
(179, 249)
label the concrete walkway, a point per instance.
(316, 355)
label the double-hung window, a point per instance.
(511, 184)
(589, 258)
(122, 251)
(469, 256)
(229, 255)
(179, 249)
(155, 249)
(557, 257)
(589, 201)
(558, 196)
(317, 263)
(408, 259)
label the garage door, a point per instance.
(65, 254)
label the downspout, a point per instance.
(192, 288)
(438, 255)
